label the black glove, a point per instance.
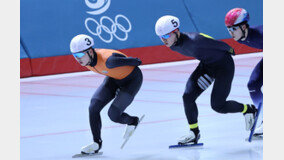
(139, 61)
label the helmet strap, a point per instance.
(93, 61)
(176, 39)
(243, 31)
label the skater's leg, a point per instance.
(196, 84)
(116, 110)
(222, 88)
(190, 95)
(103, 95)
(255, 83)
(124, 98)
(220, 92)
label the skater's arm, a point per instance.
(118, 60)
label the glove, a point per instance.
(232, 51)
(139, 61)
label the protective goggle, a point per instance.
(233, 28)
(166, 36)
(78, 55)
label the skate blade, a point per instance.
(251, 135)
(255, 138)
(87, 155)
(125, 141)
(185, 145)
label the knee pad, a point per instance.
(114, 113)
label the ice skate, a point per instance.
(250, 116)
(252, 131)
(189, 140)
(129, 130)
(257, 134)
(90, 150)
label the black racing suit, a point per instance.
(216, 64)
(255, 39)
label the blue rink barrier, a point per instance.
(47, 26)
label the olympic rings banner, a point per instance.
(47, 26)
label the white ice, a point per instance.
(55, 123)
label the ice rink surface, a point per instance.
(54, 118)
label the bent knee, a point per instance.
(254, 85)
(114, 113)
(220, 108)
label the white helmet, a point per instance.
(166, 24)
(80, 43)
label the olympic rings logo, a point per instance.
(101, 6)
(112, 30)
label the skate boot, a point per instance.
(191, 138)
(259, 130)
(250, 116)
(130, 128)
(92, 148)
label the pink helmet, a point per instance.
(236, 16)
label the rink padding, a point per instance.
(55, 65)
(148, 55)
(26, 70)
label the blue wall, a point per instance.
(209, 15)
(23, 52)
(47, 26)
